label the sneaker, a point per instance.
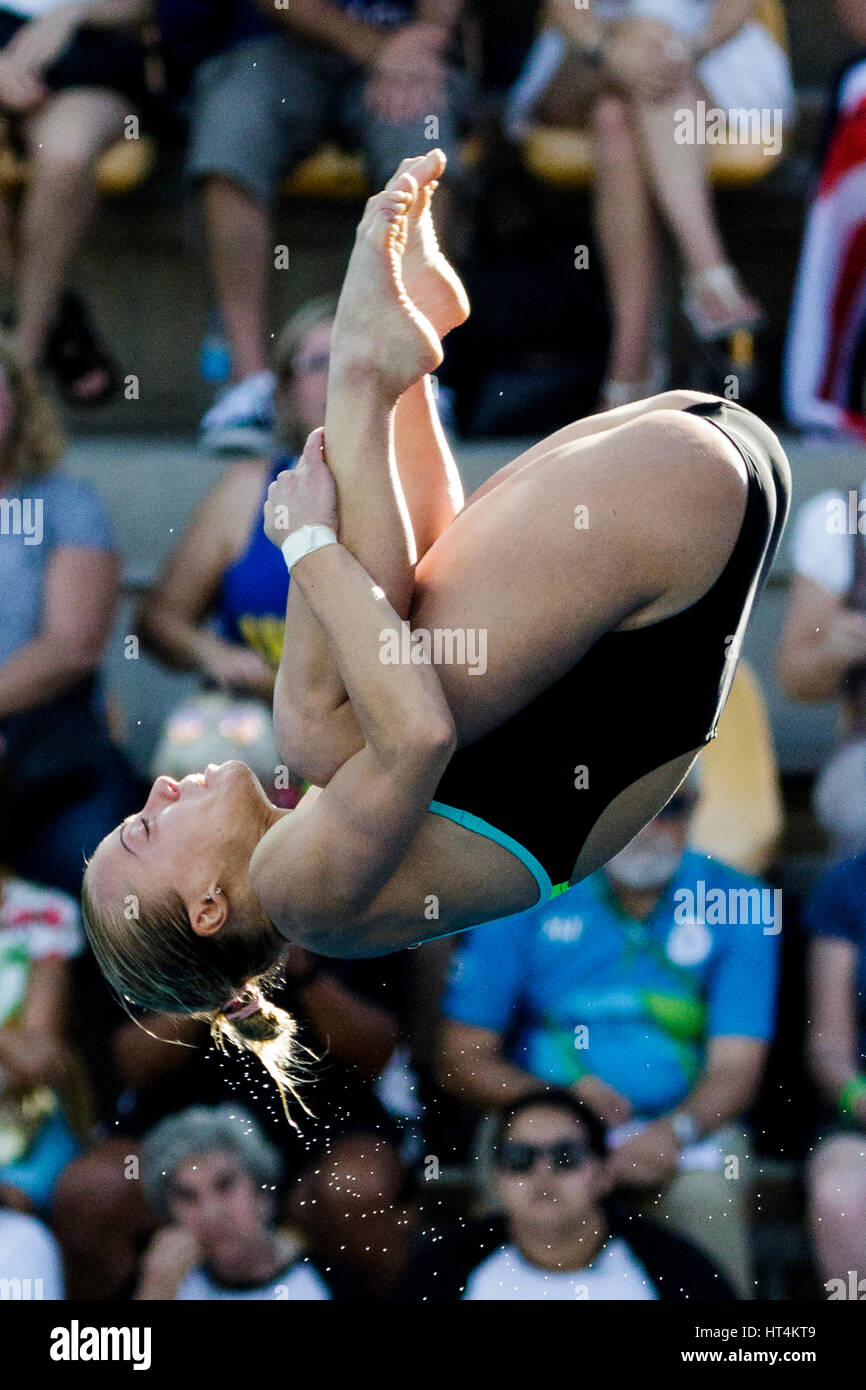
(243, 417)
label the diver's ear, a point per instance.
(208, 913)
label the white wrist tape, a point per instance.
(304, 541)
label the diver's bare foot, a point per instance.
(431, 281)
(378, 328)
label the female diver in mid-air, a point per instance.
(606, 575)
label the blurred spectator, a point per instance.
(30, 1263)
(67, 87)
(45, 1111)
(211, 1177)
(41, 1087)
(853, 16)
(559, 1237)
(223, 567)
(355, 1210)
(632, 70)
(836, 1049)
(59, 579)
(348, 1014)
(824, 384)
(648, 990)
(264, 88)
(219, 604)
(822, 652)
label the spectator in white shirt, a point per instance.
(559, 1237)
(30, 1263)
(822, 653)
(212, 1176)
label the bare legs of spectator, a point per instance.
(64, 140)
(680, 185)
(640, 172)
(627, 231)
(101, 1219)
(240, 240)
(241, 247)
(837, 1208)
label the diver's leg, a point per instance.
(622, 527)
(382, 346)
(428, 474)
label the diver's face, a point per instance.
(190, 837)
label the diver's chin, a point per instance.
(217, 773)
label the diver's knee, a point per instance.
(682, 399)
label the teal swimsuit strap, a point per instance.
(481, 827)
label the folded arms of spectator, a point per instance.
(355, 1030)
(80, 596)
(40, 42)
(725, 1090)
(474, 1066)
(171, 619)
(406, 65)
(144, 1055)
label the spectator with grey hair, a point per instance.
(211, 1176)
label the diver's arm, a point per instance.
(317, 870)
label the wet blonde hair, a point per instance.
(35, 440)
(153, 960)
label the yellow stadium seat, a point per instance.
(332, 173)
(328, 173)
(565, 158)
(121, 169)
(739, 816)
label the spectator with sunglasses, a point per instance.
(558, 1235)
(644, 991)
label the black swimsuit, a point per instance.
(635, 701)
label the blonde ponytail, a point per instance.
(255, 1024)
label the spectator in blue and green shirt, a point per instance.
(649, 990)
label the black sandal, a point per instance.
(74, 352)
